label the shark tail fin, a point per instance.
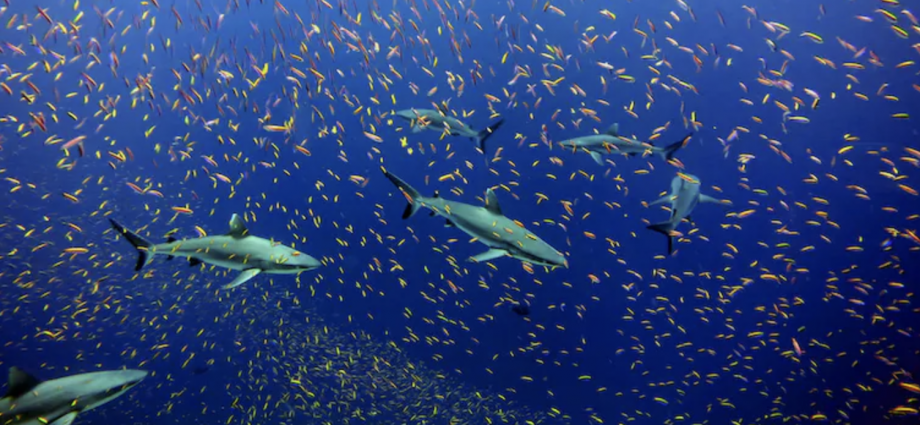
(411, 194)
(668, 152)
(485, 134)
(139, 243)
(665, 228)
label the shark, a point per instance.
(486, 224)
(684, 196)
(235, 250)
(611, 141)
(436, 120)
(29, 401)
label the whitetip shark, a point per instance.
(612, 142)
(236, 250)
(684, 196)
(29, 401)
(485, 224)
(430, 119)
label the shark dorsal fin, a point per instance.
(492, 202)
(614, 130)
(237, 227)
(20, 382)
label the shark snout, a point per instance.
(131, 377)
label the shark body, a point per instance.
(236, 250)
(430, 119)
(683, 197)
(29, 401)
(486, 224)
(611, 142)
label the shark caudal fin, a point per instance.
(411, 194)
(665, 228)
(139, 243)
(485, 134)
(668, 151)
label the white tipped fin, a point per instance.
(243, 278)
(492, 202)
(237, 227)
(489, 255)
(66, 419)
(597, 158)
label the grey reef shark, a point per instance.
(683, 198)
(29, 401)
(441, 121)
(486, 224)
(611, 142)
(235, 250)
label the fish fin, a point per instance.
(492, 202)
(411, 194)
(432, 213)
(171, 239)
(710, 199)
(243, 277)
(237, 227)
(170, 257)
(20, 383)
(139, 243)
(665, 228)
(489, 255)
(448, 223)
(192, 261)
(597, 157)
(66, 419)
(666, 198)
(614, 130)
(668, 151)
(485, 134)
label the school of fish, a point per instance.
(132, 128)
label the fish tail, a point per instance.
(485, 134)
(668, 152)
(139, 243)
(665, 228)
(412, 195)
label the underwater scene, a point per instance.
(459, 212)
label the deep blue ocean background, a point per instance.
(654, 340)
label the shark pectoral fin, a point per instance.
(192, 261)
(66, 419)
(710, 199)
(614, 130)
(243, 278)
(597, 158)
(237, 227)
(663, 199)
(20, 383)
(489, 255)
(492, 202)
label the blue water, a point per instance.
(682, 329)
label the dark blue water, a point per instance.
(624, 334)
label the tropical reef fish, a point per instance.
(487, 224)
(430, 119)
(236, 250)
(598, 145)
(29, 401)
(684, 197)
